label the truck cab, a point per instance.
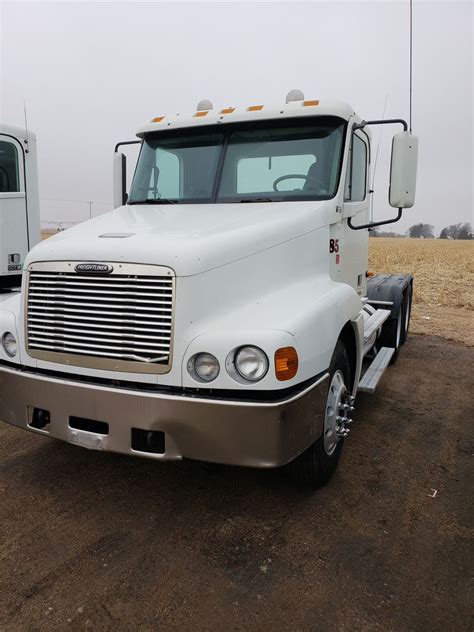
(19, 203)
(222, 311)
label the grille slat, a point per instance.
(59, 300)
(125, 342)
(104, 294)
(82, 310)
(36, 283)
(114, 316)
(87, 344)
(90, 352)
(60, 277)
(94, 332)
(125, 324)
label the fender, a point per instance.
(389, 287)
(8, 323)
(319, 326)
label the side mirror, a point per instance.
(403, 170)
(120, 179)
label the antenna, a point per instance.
(26, 126)
(411, 60)
(375, 162)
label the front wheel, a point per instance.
(318, 463)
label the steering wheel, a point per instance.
(288, 177)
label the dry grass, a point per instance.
(48, 232)
(444, 282)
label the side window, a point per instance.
(9, 173)
(357, 173)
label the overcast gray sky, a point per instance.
(93, 72)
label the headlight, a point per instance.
(9, 344)
(205, 366)
(251, 363)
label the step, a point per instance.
(375, 321)
(374, 373)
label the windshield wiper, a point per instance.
(263, 199)
(157, 201)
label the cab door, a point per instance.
(13, 211)
(354, 243)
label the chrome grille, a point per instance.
(122, 320)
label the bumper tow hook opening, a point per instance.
(38, 418)
(152, 441)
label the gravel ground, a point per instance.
(106, 542)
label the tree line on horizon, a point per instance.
(462, 230)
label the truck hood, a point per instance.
(190, 238)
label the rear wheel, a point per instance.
(395, 329)
(391, 335)
(406, 308)
(317, 464)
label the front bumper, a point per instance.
(256, 434)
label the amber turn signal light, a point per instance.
(286, 363)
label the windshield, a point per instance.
(297, 160)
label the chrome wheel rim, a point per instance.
(407, 313)
(334, 402)
(399, 329)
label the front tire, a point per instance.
(315, 467)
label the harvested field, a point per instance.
(444, 282)
(48, 232)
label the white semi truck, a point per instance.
(223, 311)
(19, 202)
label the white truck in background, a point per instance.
(19, 202)
(223, 311)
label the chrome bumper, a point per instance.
(256, 434)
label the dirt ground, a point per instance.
(105, 542)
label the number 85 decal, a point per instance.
(334, 245)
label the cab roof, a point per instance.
(17, 132)
(259, 111)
